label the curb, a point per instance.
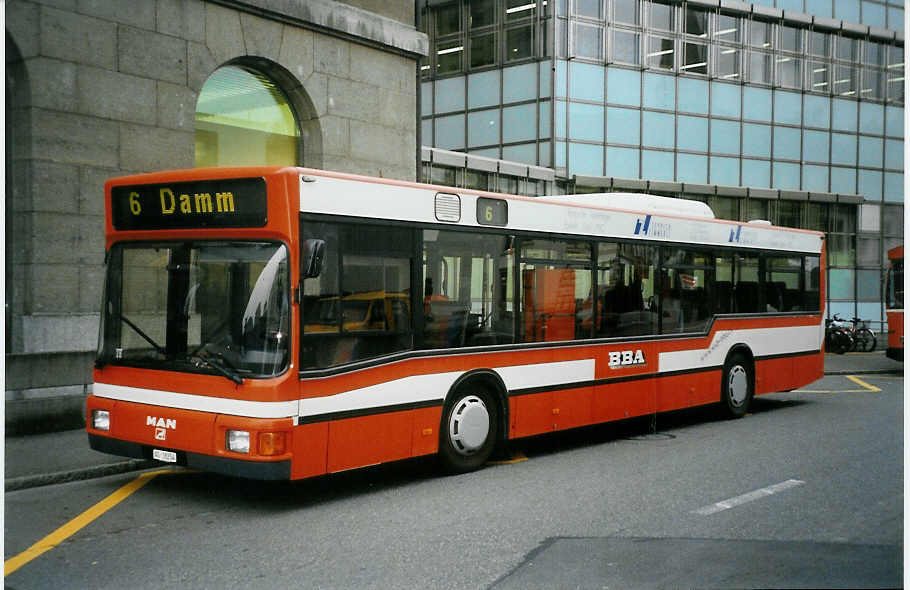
(46, 479)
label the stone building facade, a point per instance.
(101, 88)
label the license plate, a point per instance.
(166, 456)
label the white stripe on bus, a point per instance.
(762, 342)
(202, 403)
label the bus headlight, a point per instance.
(238, 441)
(101, 420)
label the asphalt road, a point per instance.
(806, 491)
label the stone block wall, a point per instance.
(101, 88)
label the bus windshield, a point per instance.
(213, 307)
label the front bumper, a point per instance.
(274, 470)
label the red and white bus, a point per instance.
(894, 303)
(285, 323)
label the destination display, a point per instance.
(232, 202)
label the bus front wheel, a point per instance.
(469, 430)
(738, 385)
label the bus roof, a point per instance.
(638, 202)
(630, 216)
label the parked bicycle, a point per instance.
(863, 337)
(837, 339)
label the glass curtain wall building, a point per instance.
(787, 110)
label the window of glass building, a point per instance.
(759, 67)
(727, 63)
(873, 83)
(588, 8)
(789, 72)
(483, 50)
(844, 81)
(817, 216)
(791, 39)
(847, 48)
(661, 16)
(243, 118)
(819, 77)
(520, 9)
(895, 74)
(725, 207)
(588, 41)
(562, 38)
(695, 58)
(756, 209)
(696, 22)
(626, 12)
(660, 53)
(893, 220)
(727, 28)
(819, 44)
(448, 19)
(873, 53)
(448, 56)
(519, 43)
(483, 13)
(788, 213)
(760, 34)
(625, 47)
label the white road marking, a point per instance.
(739, 500)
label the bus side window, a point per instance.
(467, 289)
(626, 302)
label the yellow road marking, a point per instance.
(517, 457)
(862, 383)
(78, 523)
(867, 388)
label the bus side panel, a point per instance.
(774, 375)
(627, 399)
(367, 440)
(425, 431)
(550, 411)
(310, 448)
(572, 407)
(531, 414)
(895, 335)
(807, 369)
(687, 390)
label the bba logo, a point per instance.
(626, 358)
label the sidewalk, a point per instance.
(58, 457)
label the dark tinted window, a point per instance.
(626, 305)
(687, 290)
(359, 305)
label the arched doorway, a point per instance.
(243, 118)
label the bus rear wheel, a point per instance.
(469, 430)
(738, 385)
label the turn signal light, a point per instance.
(272, 443)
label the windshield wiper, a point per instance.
(218, 367)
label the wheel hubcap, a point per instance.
(469, 425)
(738, 385)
